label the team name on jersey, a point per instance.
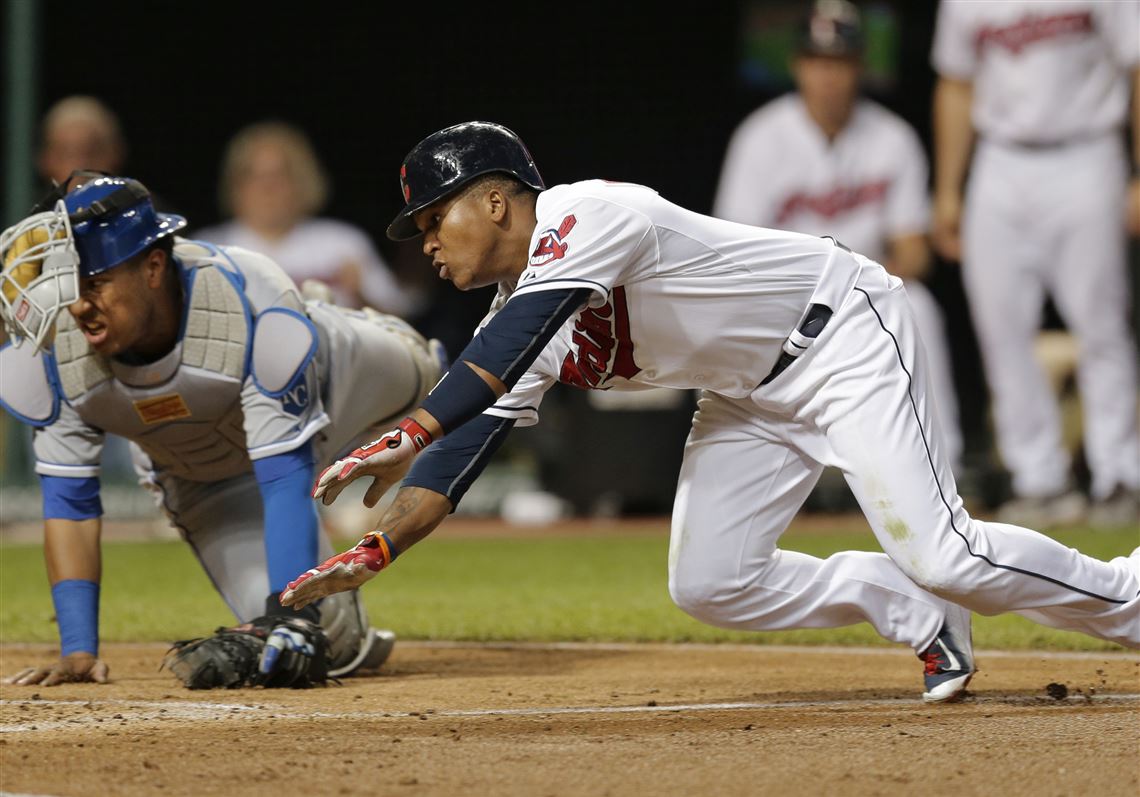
(602, 346)
(838, 200)
(1031, 29)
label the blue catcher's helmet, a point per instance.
(112, 220)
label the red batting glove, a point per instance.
(386, 460)
(342, 572)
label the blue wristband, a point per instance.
(77, 614)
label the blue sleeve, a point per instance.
(450, 466)
(291, 524)
(67, 498)
(505, 348)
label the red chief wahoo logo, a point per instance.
(550, 246)
(404, 183)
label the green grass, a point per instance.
(589, 587)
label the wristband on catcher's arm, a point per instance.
(76, 604)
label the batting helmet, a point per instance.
(831, 28)
(448, 159)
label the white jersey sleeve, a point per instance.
(907, 208)
(586, 238)
(953, 55)
(742, 194)
(1122, 26)
(68, 447)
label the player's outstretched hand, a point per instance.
(386, 460)
(339, 573)
(70, 669)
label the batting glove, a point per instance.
(386, 460)
(342, 572)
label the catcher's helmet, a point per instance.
(448, 159)
(93, 228)
(831, 28)
(112, 220)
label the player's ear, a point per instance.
(496, 203)
(154, 267)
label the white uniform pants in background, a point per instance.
(859, 400)
(1051, 221)
(932, 330)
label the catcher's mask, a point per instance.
(72, 233)
(449, 159)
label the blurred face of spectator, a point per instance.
(78, 144)
(266, 195)
(829, 86)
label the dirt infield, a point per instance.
(615, 720)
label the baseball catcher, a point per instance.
(231, 389)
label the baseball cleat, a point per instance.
(949, 668)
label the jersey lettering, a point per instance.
(1032, 29)
(829, 205)
(550, 245)
(602, 345)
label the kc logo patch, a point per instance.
(550, 245)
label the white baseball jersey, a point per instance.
(734, 293)
(251, 376)
(867, 186)
(689, 301)
(319, 249)
(1044, 71)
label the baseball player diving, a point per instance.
(231, 389)
(806, 355)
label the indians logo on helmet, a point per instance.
(550, 246)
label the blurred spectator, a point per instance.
(824, 160)
(1031, 102)
(80, 132)
(273, 185)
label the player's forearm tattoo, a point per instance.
(407, 521)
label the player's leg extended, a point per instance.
(1089, 283)
(932, 329)
(885, 439)
(1002, 276)
(739, 488)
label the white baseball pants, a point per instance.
(858, 400)
(1052, 220)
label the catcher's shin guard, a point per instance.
(353, 645)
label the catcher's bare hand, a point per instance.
(386, 460)
(70, 669)
(340, 573)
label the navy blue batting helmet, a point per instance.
(450, 158)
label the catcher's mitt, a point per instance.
(271, 651)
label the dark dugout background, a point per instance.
(642, 92)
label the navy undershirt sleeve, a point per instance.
(450, 466)
(506, 348)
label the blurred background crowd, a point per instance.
(281, 128)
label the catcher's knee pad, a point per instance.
(352, 644)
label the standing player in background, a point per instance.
(273, 184)
(230, 388)
(1031, 102)
(825, 161)
(806, 355)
